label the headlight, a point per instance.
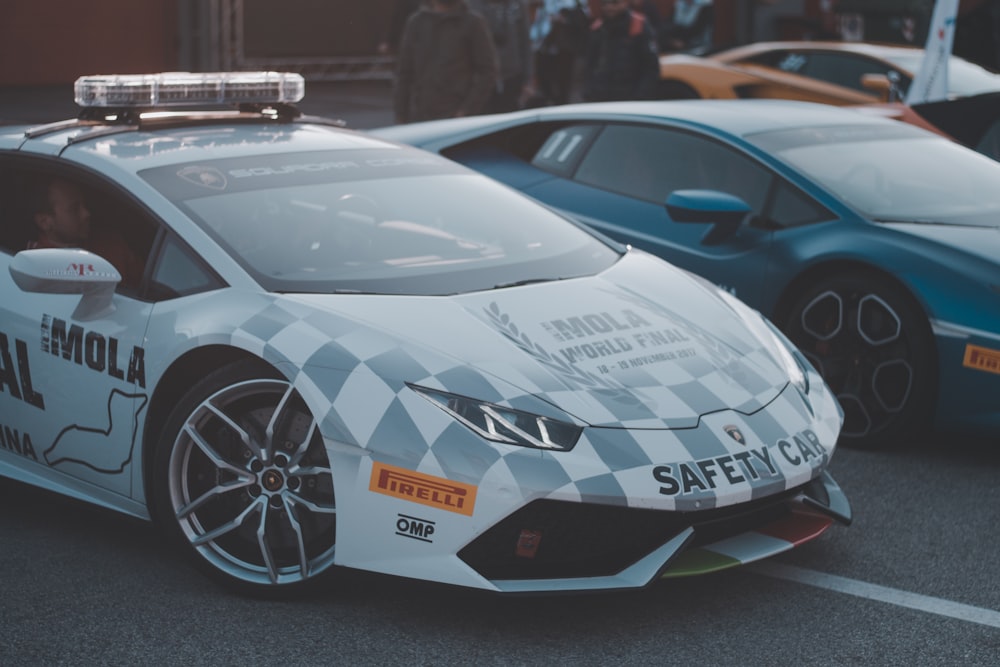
(506, 425)
(773, 340)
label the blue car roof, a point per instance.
(733, 118)
(737, 117)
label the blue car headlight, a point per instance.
(505, 425)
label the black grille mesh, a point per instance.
(589, 540)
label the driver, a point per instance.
(63, 220)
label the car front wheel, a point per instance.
(874, 348)
(243, 483)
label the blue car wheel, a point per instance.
(873, 346)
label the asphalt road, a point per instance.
(912, 582)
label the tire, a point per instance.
(242, 483)
(872, 344)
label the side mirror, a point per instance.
(68, 271)
(723, 211)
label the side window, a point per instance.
(843, 69)
(177, 272)
(786, 61)
(649, 163)
(16, 226)
(46, 207)
(562, 151)
(793, 208)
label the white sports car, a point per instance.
(296, 347)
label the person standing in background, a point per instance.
(622, 55)
(690, 27)
(446, 66)
(559, 34)
(401, 11)
(649, 9)
(509, 25)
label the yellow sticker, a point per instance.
(424, 489)
(982, 359)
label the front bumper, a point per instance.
(561, 546)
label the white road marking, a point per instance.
(861, 589)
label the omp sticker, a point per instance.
(982, 359)
(415, 528)
(424, 489)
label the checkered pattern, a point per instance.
(352, 367)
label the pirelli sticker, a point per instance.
(982, 358)
(416, 487)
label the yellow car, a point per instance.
(829, 72)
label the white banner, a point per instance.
(931, 82)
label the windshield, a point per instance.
(964, 78)
(377, 221)
(894, 171)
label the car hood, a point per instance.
(979, 241)
(642, 345)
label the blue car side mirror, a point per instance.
(723, 211)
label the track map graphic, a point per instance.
(105, 447)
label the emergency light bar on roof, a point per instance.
(188, 89)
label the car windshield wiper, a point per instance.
(526, 281)
(911, 221)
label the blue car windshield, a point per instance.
(894, 172)
(377, 221)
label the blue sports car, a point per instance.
(872, 244)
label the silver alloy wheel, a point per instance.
(250, 485)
